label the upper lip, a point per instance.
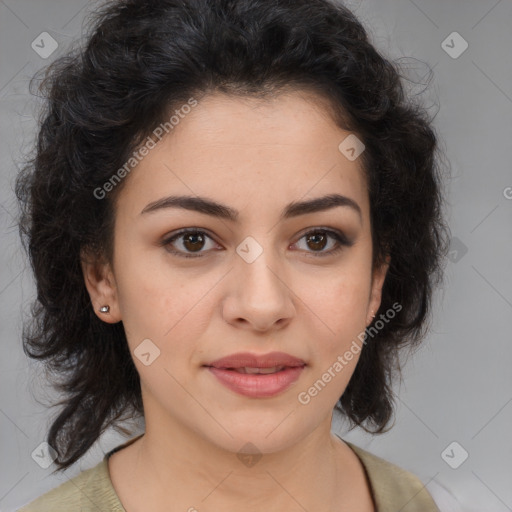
(249, 360)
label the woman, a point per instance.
(234, 221)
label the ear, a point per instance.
(379, 275)
(100, 283)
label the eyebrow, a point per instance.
(214, 209)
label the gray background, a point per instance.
(458, 386)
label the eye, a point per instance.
(318, 240)
(193, 240)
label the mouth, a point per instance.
(257, 375)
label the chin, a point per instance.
(258, 439)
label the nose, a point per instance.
(260, 296)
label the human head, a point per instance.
(144, 61)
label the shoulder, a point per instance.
(394, 488)
(89, 491)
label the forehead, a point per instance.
(243, 151)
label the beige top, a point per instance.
(393, 489)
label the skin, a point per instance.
(255, 156)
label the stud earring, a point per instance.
(104, 309)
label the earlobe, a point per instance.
(100, 283)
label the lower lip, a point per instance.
(257, 385)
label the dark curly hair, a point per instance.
(141, 60)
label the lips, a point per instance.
(257, 376)
(245, 362)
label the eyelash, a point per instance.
(340, 239)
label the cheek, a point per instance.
(170, 309)
(335, 353)
(340, 303)
(342, 308)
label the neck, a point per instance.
(200, 475)
(172, 461)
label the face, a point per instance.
(272, 276)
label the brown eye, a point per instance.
(189, 241)
(318, 239)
